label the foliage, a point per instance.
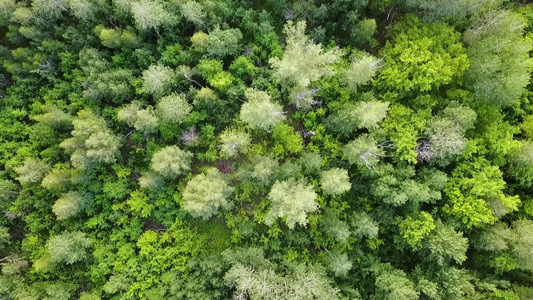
(500, 63)
(291, 199)
(422, 57)
(205, 194)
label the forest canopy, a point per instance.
(277, 149)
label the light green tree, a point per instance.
(70, 204)
(363, 151)
(260, 111)
(444, 244)
(364, 114)
(128, 113)
(421, 57)
(68, 247)
(146, 121)
(151, 14)
(173, 109)
(91, 142)
(234, 142)
(158, 80)
(302, 63)
(292, 200)
(361, 71)
(499, 55)
(335, 181)
(206, 193)
(171, 161)
(32, 171)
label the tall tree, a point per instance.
(499, 54)
(291, 199)
(205, 193)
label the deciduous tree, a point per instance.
(291, 199)
(206, 193)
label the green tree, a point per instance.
(359, 115)
(302, 63)
(499, 54)
(205, 193)
(292, 200)
(260, 111)
(70, 204)
(171, 162)
(68, 247)
(234, 142)
(421, 57)
(335, 181)
(158, 80)
(286, 140)
(472, 185)
(173, 109)
(146, 120)
(361, 71)
(91, 142)
(414, 229)
(363, 151)
(151, 14)
(32, 171)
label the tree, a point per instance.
(151, 14)
(234, 142)
(469, 189)
(438, 10)
(359, 115)
(363, 151)
(85, 10)
(311, 162)
(339, 264)
(421, 57)
(403, 126)
(91, 142)
(522, 245)
(194, 13)
(394, 284)
(291, 199)
(286, 140)
(54, 117)
(171, 161)
(128, 113)
(173, 109)
(261, 168)
(334, 227)
(302, 63)
(364, 226)
(415, 229)
(70, 204)
(361, 71)
(32, 171)
(7, 8)
(146, 120)
(499, 54)
(158, 80)
(335, 181)
(68, 247)
(205, 193)
(50, 10)
(150, 180)
(260, 111)
(223, 43)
